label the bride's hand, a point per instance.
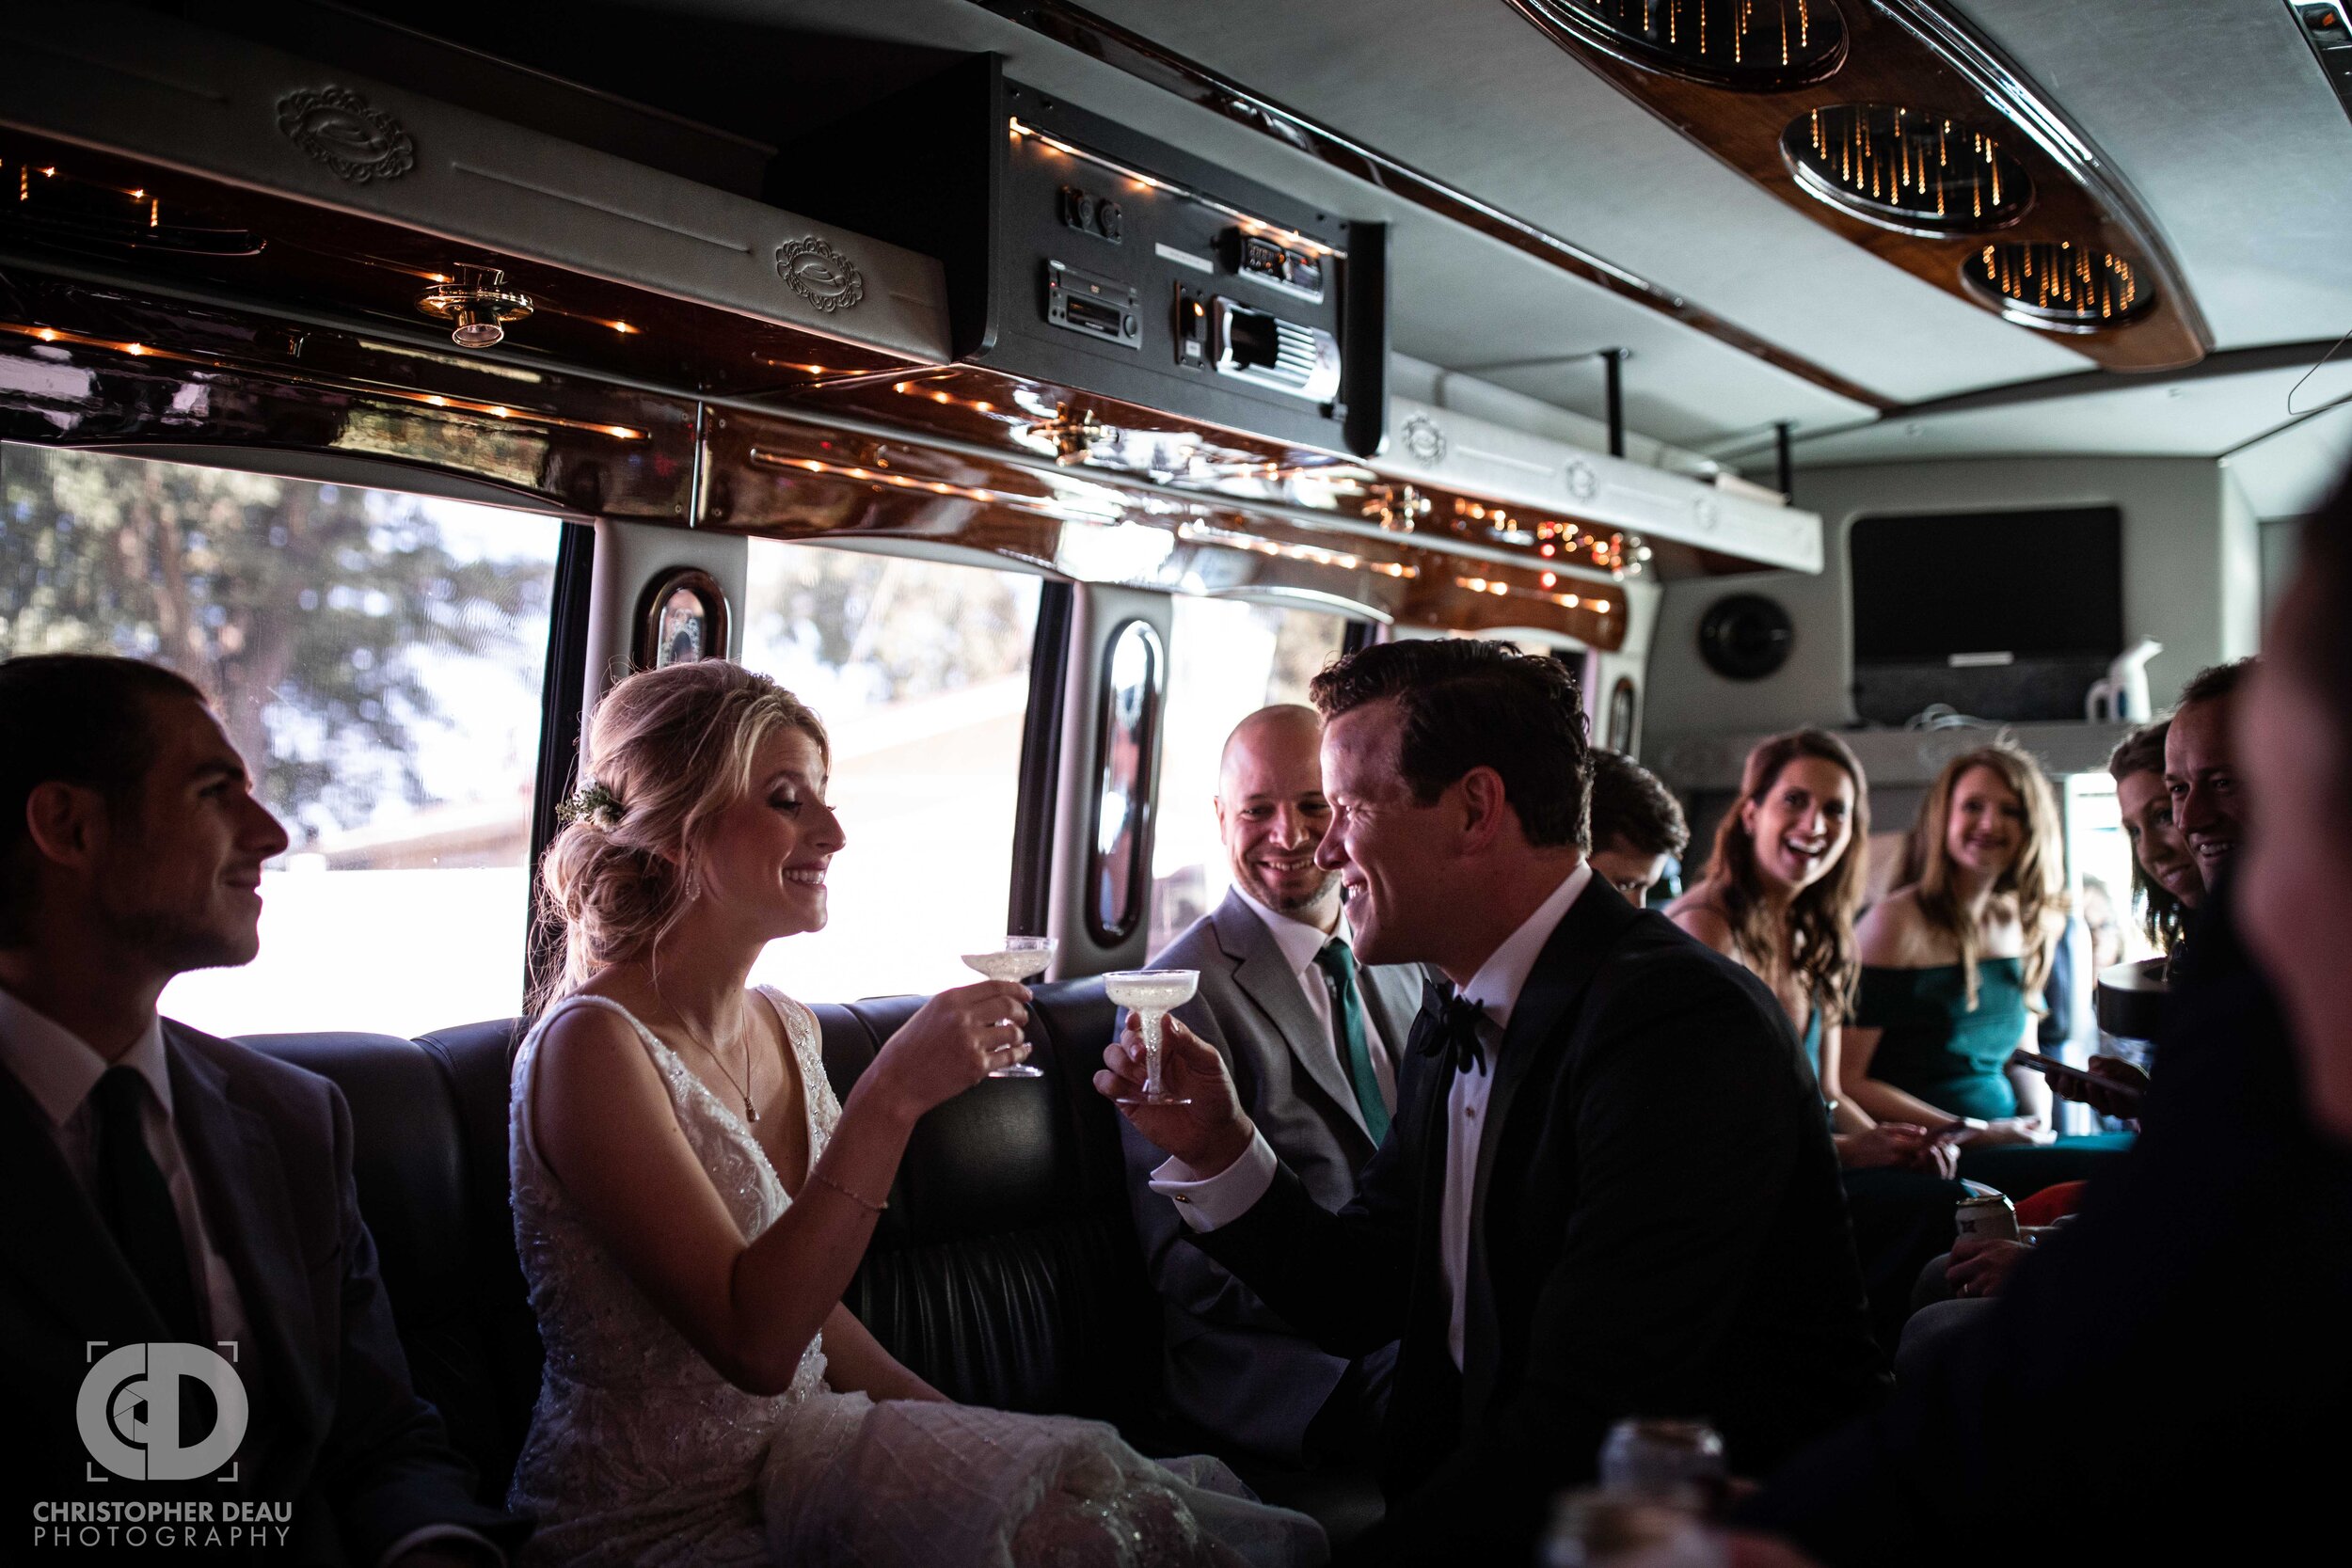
(952, 1043)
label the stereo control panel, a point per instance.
(1084, 255)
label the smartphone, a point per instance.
(2051, 1068)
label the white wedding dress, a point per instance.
(641, 1453)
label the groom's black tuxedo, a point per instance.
(1657, 1228)
(337, 1430)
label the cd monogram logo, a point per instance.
(129, 1411)
(820, 274)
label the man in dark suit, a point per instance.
(1313, 1041)
(176, 1211)
(1614, 1192)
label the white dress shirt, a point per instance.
(1299, 943)
(59, 1071)
(1221, 1199)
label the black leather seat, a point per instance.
(429, 1158)
(1005, 1271)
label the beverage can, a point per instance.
(1987, 1216)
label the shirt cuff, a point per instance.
(457, 1535)
(1208, 1202)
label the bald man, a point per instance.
(1314, 1042)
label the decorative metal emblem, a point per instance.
(1582, 482)
(344, 131)
(1425, 440)
(820, 274)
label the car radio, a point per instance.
(1085, 255)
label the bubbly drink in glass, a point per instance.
(1150, 994)
(1015, 959)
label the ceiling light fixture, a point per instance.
(2061, 287)
(1747, 45)
(1915, 171)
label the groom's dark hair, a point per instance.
(1464, 704)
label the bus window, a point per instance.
(378, 660)
(1226, 661)
(921, 673)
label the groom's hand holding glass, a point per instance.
(1204, 1125)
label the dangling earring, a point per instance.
(694, 885)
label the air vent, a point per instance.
(1266, 351)
(2060, 288)
(1919, 173)
(1750, 45)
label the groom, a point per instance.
(1613, 1196)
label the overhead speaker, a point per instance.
(1746, 636)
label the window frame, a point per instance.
(1142, 789)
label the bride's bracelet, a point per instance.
(869, 1206)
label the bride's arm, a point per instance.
(856, 1362)
(603, 1124)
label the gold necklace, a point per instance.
(750, 1111)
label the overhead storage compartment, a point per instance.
(314, 166)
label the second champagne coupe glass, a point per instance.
(1014, 958)
(1150, 994)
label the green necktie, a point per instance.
(1338, 962)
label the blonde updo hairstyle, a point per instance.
(667, 751)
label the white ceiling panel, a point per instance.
(2194, 417)
(2217, 114)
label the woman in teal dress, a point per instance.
(1950, 964)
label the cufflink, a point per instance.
(1180, 1198)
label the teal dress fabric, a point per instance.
(1933, 1045)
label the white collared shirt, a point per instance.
(59, 1071)
(1222, 1198)
(1299, 943)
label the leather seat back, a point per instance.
(1006, 1272)
(435, 1205)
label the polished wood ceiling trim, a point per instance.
(1918, 57)
(91, 366)
(802, 480)
(1101, 39)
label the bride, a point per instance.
(690, 1201)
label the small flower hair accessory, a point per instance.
(594, 804)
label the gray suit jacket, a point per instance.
(1234, 1366)
(336, 1429)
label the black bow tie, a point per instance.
(1447, 1029)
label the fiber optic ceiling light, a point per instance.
(1907, 169)
(2061, 287)
(1749, 45)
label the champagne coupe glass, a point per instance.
(1014, 958)
(1150, 994)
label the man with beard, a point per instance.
(1313, 1041)
(2200, 771)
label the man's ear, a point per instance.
(1484, 812)
(66, 823)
